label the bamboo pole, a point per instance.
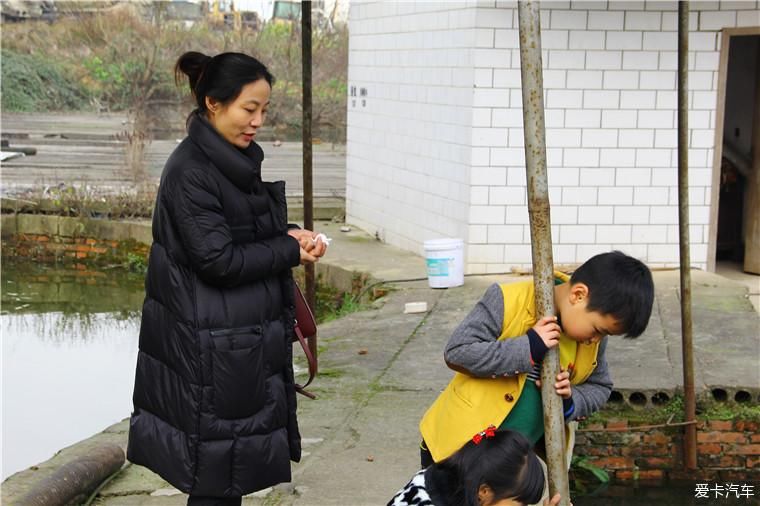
(540, 236)
(308, 190)
(690, 434)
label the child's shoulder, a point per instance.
(511, 287)
(516, 298)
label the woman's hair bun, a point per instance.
(192, 64)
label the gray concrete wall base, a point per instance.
(8, 225)
(65, 226)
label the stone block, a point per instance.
(343, 280)
(141, 232)
(71, 227)
(743, 449)
(8, 225)
(38, 224)
(108, 230)
(721, 425)
(750, 426)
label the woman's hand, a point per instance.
(304, 238)
(548, 330)
(307, 258)
(312, 248)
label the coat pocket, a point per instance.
(238, 372)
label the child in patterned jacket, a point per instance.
(494, 468)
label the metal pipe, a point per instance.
(308, 190)
(540, 236)
(690, 433)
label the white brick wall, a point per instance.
(435, 147)
(410, 156)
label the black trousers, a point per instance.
(196, 500)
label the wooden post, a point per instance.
(308, 191)
(687, 343)
(541, 237)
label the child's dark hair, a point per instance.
(221, 77)
(621, 286)
(505, 462)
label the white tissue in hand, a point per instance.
(323, 238)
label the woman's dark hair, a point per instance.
(506, 463)
(618, 285)
(220, 77)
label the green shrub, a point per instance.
(32, 83)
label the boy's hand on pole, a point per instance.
(562, 386)
(554, 501)
(548, 330)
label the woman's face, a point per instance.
(239, 120)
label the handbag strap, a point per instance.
(301, 389)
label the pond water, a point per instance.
(69, 348)
(651, 494)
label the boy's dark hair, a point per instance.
(221, 77)
(505, 462)
(621, 286)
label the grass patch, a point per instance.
(729, 411)
(331, 302)
(345, 306)
(674, 411)
(84, 201)
(330, 373)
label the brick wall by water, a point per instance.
(73, 240)
(726, 451)
(435, 138)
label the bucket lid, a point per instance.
(436, 244)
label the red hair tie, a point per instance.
(488, 433)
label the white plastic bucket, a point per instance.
(445, 262)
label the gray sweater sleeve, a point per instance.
(593, 393)
(474, 347)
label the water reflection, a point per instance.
(69, 343)
(640, 494)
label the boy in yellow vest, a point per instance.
(497, 352)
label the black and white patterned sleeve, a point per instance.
(414, 493)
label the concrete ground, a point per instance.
(734, 271)
(381, 369)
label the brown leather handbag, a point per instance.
(306, 334)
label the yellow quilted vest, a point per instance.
(468, 404)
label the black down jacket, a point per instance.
(214, 399)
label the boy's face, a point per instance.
(582, 325)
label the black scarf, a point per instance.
(241, 166)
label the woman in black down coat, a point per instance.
(214, 399)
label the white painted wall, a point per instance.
(409, 120)
(436, 147)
